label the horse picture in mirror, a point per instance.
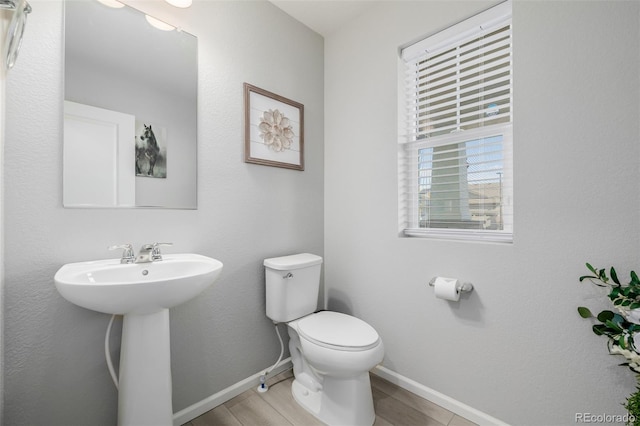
(151, 151)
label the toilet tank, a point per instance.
(292, 284)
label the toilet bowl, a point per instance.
(331, 369)
(331, 352)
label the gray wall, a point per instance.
(55, 372)
(4, 22)
(515, 348)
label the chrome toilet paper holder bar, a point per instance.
(460, 287)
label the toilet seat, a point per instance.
(338, 331)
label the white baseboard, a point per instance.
(457, 407)
(436, 397)
(201, 407)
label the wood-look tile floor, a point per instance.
(393, 405)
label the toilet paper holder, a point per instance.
(460, 287)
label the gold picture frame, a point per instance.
(273, 129)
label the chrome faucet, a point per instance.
(127, 254)
(150, 252)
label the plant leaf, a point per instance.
(594, 280)
(634, 278)
(614, 276)
(613, 326)
(622, 343)
(603, 276)
(592, 269)
(584, 312)
(605, 316)
(618, 319)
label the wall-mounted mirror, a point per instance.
(129, 109)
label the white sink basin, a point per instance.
(143, 293)
(140, 288)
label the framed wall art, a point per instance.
(273, 129)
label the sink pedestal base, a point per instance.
(144, 395)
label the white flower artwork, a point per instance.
(274, 129)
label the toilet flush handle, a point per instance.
(287, 276)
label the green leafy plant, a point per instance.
(620, 332)
(624, 296)
(633, 408)
(621, 327)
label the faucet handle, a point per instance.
(128, 255)
(155, 252)
(162, 244)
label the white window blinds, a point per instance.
(455, 145)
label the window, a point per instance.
(455, 146)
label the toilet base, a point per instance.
(308, 399)
(351, 402)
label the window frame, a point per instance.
(408, 150)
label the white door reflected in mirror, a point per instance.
(98, 170)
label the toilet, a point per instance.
(331, 352)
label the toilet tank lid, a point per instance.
(294, 261)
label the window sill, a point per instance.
(461, 235)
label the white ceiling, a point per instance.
(324, 16)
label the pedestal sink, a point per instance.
(143, 293)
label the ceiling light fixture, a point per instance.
(180, 3)
(112, 3)
(156, 23)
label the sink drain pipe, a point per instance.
(107, 352)
(261, 388)
(263, 385)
